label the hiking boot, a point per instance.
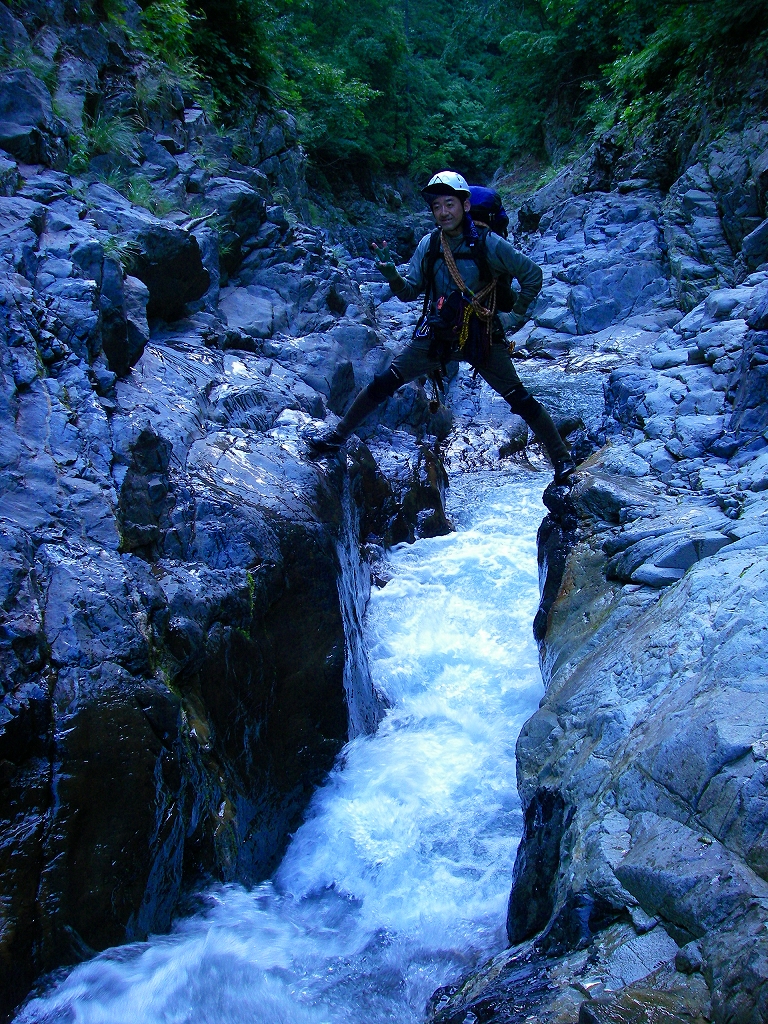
(564, 469)
(324, 441)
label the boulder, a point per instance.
(122, 305)
(241, 209)
(750, 404)
(136, 300)
(21, 220)
(28, 128)
(170, 264)
(12, 31)
(76, 78)
(162, 255)
(258, 312)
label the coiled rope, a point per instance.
(474, 299)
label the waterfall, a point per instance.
(397, 881)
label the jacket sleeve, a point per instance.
(504, 258)
(410, 285)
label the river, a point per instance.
(398, 879)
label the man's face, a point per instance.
(448, 212)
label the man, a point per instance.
(459, 320)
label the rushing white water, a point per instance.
(397, 881)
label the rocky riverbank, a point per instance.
(181, 587)
(640, 888)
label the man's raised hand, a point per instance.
(384, 262)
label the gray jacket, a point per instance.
(502, 257)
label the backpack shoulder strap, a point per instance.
(428, 267)
(481, 256)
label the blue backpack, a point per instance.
(488, 209)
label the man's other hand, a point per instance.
(384, 262)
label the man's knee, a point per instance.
(384, 385)
(521, 402)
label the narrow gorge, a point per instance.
(185, 650)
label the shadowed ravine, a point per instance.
(398, 880)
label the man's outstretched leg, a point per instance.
(538, 419)
(499, 371)
(327, 440)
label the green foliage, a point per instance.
(167, 27)
(78, 153)
(416, 85)
(125, 250)
(232, 46)
(104, 134)
(139, 191)
(113, 134)
(115, 178)
(400, 85)
(576, 63)
(333, 117)
(167, 31)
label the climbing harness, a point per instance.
(473, 299)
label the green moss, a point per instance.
(251, 581)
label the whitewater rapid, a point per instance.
(397, 881)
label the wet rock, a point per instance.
(532, 898)
(666, 996)
(418, 480)
(220, 626)
(173, 587)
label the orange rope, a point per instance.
(481, 311)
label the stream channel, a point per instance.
(397, 882)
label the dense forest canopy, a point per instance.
(409, 84)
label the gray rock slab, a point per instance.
(687, 878)
(651, 575)
(684, 553)
(258, 311)
(666, 360)
(19, 218)
(639, 957)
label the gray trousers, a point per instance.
(498, 370)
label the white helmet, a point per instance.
(446, 183)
